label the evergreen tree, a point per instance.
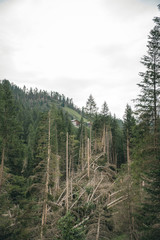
(67, 229)
(91, 107)
(91, 110)
(146, 150)
(128, 125)
(149, 213)
(105, 110)
(148, 99)
(11, 134)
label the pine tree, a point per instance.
(128, 125)
(106, 128)
(91, 110)
(149, 212)
(68, 231)
(148, 99)
(147, 147)
(105, 110)
(10, 131)
(91, 107)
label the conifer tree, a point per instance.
(148, 144)
(148, 99)
(91, 110)
(10, 131)
(129, 123)
(105, 109)
(105, 120)
(149, 213)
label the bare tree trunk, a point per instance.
(110, 136)
(71, 189)
(88, 158)
(44, 214)
(90, 147)
(57, 169)
(107, 136)
(82, 150)
(69, 166)
(67, 183)
(128, 153)
(86, 139)
(104, 137)
(98, 228)
(57, 173)
(95, 143)
(82, 163)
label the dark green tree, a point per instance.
(91, 110)
(149, 213)
(128, 130)
(146, 150)
(91, 107)
(105, 110)
(68, 231)
(148, 99)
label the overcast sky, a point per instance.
(76, 47)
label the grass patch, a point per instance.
(74, 114)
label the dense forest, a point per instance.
(96, 179)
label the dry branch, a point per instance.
(115, 202)
(77, 225)
(77, 199)
(61, 195)
(96, 189)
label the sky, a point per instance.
(77, 47)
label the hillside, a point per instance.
(37, 135)
(60, 182)
(74, 114)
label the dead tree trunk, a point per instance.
(67, 181)
(44, 214)
(130, 207)
(107, 136)
(57, 168)
(90, 146)
(88, 157)
(128, 153)
(104, 137)
(57, 173)
(95, 143)
(82, 149)
(98, 228)
(86, 139)
(110, 137)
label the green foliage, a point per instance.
(17, 189)
(117, 142)
(91, 107)
(24, 141)
(88, 207)
(105, 110)
(149, 211)
(5, 221)
(129, 122)
(74, 114)
(120, 237)
(67, 229)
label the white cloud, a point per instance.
(76, 47)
